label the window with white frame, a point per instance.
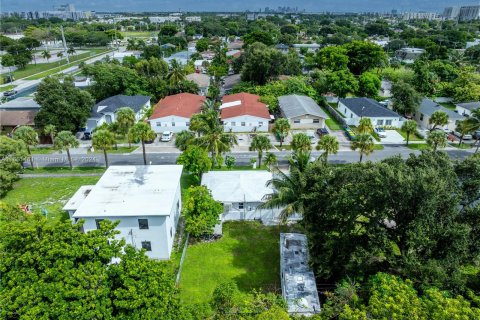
(243, 124)
(159, 124)
(241, 205)
(380, 122)
(388, 122)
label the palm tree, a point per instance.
(64, 141)
(364, 143)
(463, 128)
(143, 132)
(198, 124)
(60, 55)
(300, 160)
(281, 128)
(301, 142)
(71, 51)
(50, 130)
(46, 55)
(176, 73)
(126, 119)
(365, 126)
(103, 140)
(183, 139)
(213, 138)
(209, 104)
(436, 139)
(29, 136)
(474, 125)
(409, 127)
(270, 160)
(438, 118)
(260, 142)
(329, 144)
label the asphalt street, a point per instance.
(243, 158)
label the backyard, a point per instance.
(247, 253)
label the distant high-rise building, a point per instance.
(469, 13)
(451, 13)
(419, 16)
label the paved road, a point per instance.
(243, 158)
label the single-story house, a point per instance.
(243, 112)
(355, 109)
(14, 118)
(241, 193)
(20, 103)
(182, 58)
(466, 108)
(122, 55)
(105, 110)
(302, 112)
(428, 107)
(311, 47)
(201, 80)
(408, 55)
(282, 47)
(173, 113)
(146, 200)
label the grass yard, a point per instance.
(418, 146)
(413, 137)
(48, 193)
(378, 147)
(248, 253)
(448, 105)
(138, 34)
(118, 150)
(285, 146)
(66, 170)
(6, 88)
(46, 150)
(243, 168)
(464, 146)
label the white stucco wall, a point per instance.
(422, 121)
(463, 111)
(251, 123)
(160, 125)
(353, 120)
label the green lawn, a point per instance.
(53, 67)
(285, 146)
(418, 146)
(413, 137)
(44, 170)
(378, 147)
(138, 34)
(48, 193)
(448, 105)
(6, 88)
(331, 122)
(224, 168)
(461, 146)
(47, 150)
(248, 253)
(118, 150)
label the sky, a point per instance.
(231, 5)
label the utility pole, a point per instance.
(64, 45)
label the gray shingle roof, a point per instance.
(366, 107)
(119, 101)
(294, 106)
(428, 107)
(470, 105)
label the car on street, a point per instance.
(465, 137)
(322, 132)
(381, 132)
(9, 93)
(166, 136)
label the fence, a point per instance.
(177, 280)
(335, 114)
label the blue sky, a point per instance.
(231, 5)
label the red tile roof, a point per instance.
(249, 105)
(181, 105)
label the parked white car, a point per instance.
(465, 137)
(166, 136)
(381, 132)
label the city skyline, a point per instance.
(212, 5)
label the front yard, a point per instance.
(413, 137)
(248, 253)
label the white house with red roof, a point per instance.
(173, 113)
(243, 112)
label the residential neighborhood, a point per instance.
(194, 160)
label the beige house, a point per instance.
(302, 112)
(428, 107)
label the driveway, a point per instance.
(393, 137)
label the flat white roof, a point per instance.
(78, 198)
(238, 186)
(132, 191)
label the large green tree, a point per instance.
(62, 104)
(301, 142)
(436, 139)
(195, 160)
(364, 144)
(364, 56)
(329, 144)
(405, 99)
(29, 136)
(262, 64)
(201, 211)
(12, 155)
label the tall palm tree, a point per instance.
(364, 144)
(125, 117)
(176, 73)
(71, 51)
(50, 130)
(436, 139)
(281, 128)
(103, 140)
(329, 144)
(365, 126)
(463, 128)
(60, 55)
(270, 160)
(300, 160)
(474, 125)
(301, 142)
(213, 138)
(260, 143)
(409, 127)
(209, 104)
(46, 55)
(438, 118)
(143, 132)
(29, 136)
(64, 141)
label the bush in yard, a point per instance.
(196, 161)
(201, 211)
(229, 161)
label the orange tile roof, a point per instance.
(181, 105)
(249, 105)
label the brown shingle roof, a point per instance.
(17, 118)
(249, 104)
(181, 105)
